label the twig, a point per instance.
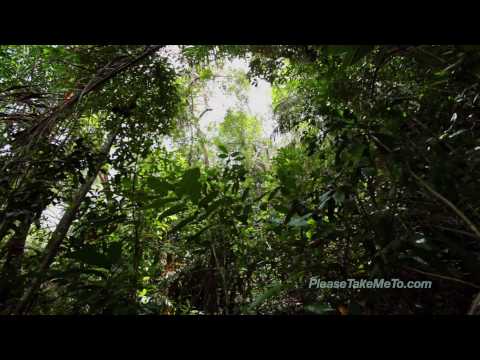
(448, 203)
(449, 278)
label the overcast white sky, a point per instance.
(259, 97)
(259, 100)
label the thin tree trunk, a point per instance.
(61, 230)
(202, 138)
(10, 286)
(9, 279)
(205, 155)
(137, 251)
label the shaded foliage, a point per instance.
(377, 178)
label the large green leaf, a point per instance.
(114, 252)
(244, 215)
(270, 293)
(200, 232)
(90, 256)
(222, 148)
(356, 54)
(273, 193)
(160, 203)
(182, 223)
(339, 197)
(214, 206)
(161, 187)
(281, 208)
(299, 221)
(324, 199)
(338, 49)
(190, 185)
(172, 211)
(245, 194)
(208, 198)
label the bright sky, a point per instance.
(259, 100)
(259, 97)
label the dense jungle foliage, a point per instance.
(115, 200)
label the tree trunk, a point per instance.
(9, 279)
(137, 250)
(61, 230)
(202, 138)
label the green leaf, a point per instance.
(222, 148)
(320, 309)
(160, 203)
(356, 152)
(245, 194)
(213, 206)
(338, 50)
(161, 187)
(299, 221)
(184, 222)
(200, 232)
(172, 211)
(324, 199)
(244, 216)
(235, 187)
(90, 256)
(206, 74)
(271, 292)
(356, 54)
(273, 193)
(384, 228)
(208, 198)
(114, 252)
(190, 185)
(281, 208)
(339, 197)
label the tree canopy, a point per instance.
(118, 197)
